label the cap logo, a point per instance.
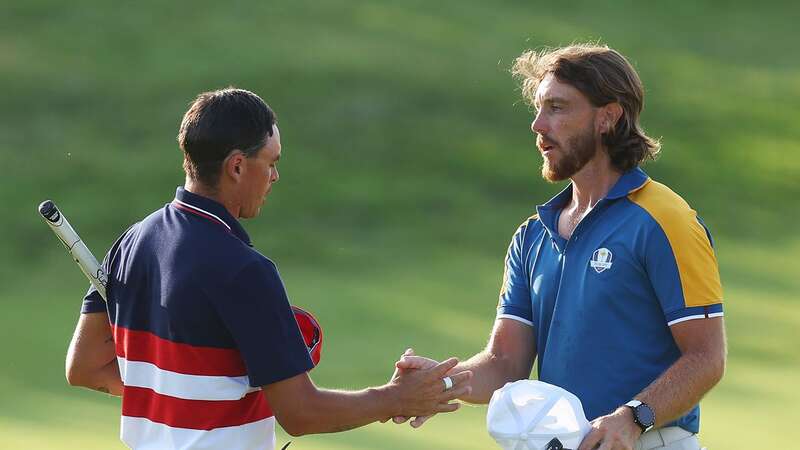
(601, 259)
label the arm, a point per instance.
(700, 368)
(91, 358)
(508, 356)
(678, 389)
(302, 408)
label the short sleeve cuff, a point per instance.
(263, 378)
(93, 303)
(695, 312)
(515, 313)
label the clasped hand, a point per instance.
(433, 395)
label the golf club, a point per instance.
(75, 246)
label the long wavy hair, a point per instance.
(604, 76)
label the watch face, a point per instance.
(645, 415)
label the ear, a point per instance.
(233, 166)
(610, 115)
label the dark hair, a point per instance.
(217, 123)
(604, 76)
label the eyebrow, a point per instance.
(552, 100)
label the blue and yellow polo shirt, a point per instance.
(602, 302)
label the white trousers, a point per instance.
(668, 438)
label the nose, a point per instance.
(538, 124)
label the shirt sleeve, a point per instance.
(93, 302)
(683, 270)
(258, 316)
(515, 299)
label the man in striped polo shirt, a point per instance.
(198, 335)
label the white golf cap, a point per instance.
(533, 415)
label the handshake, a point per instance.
(424, 387)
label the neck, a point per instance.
(216, 194)
(593, 181)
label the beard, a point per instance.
(580, 149)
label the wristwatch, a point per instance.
(643, 415)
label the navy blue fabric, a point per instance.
(185, 277)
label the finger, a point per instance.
(455, 393)
(461, 378)
(415, 362)
(419, 421)
(440, 369)
(400, 419)
(409, 352)
(447, 407)
(591, 440)
(604, 445)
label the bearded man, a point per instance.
(613, 285)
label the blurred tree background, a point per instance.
(407, 165)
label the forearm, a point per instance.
(330, 411)
(682, 386)
(91, 358)
(491, 372)
(107, 379)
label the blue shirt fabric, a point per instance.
(602, 303)
(188, 274)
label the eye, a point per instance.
(555, 107)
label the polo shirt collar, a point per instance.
(210, 210)
(628, 182)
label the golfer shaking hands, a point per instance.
(612, 286)
(197, 334)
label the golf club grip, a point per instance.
(75, 246)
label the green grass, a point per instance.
(407, 165)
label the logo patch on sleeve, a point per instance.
(601, 259)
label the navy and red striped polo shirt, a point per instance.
(201, 321)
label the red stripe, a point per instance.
(194, 414)
(176, 357)
(198, 213)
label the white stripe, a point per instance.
(139, 433)
(202, 211)
(696, 316)
(189, 387)
(513, 317)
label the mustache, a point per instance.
(545, 140)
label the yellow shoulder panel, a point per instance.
(697, 263)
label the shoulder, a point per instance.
(669, 214)
(668, 210)
(527, 225)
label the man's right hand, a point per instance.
(422, 392)
(410, 361)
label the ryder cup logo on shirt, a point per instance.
(601, 259)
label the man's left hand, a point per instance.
(616, 431)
